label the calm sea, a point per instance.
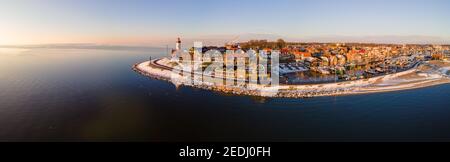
(94, 95)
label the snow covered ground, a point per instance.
(445, 71)
(161, 69)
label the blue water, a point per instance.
(94, 95)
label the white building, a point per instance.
(447, 55)
(178, 45)
(177, 48)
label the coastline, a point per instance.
(415, 78)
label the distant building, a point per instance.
(317, 54)
(301, 55)
(447, 55)
(437, 56)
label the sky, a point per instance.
(156, 22)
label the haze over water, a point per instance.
(93, 94)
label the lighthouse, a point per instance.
(177, 48)
(178, 44)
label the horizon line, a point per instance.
(123, 46)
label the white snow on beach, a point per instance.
(384, 83)
(445, 71)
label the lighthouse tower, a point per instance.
(177, 48)
(178, 45)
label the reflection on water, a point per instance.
(77, 94)
(308, 77)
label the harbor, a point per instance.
(296, 70)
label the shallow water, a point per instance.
(77, 94)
